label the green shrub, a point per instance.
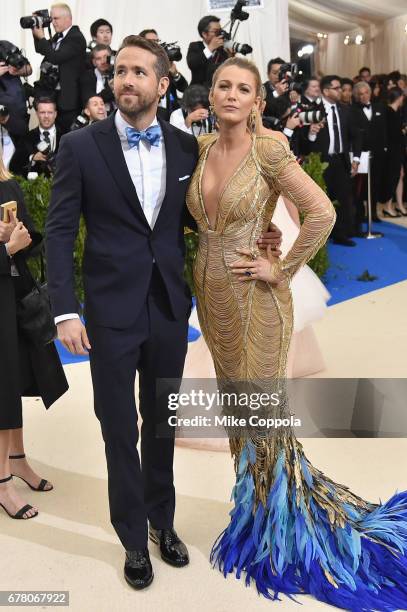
(37, 195)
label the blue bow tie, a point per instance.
(151, 134)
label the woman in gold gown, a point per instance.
(292, 529)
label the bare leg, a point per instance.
(21, 467)
(389, 208)
(399, 193)
(9, 496)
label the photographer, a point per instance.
(67, 50)
(36, 152)
(13, 107)
(101, 32)
(310, 91)
(275, 86)
(204, 56)
(178, 82)
(95, 81)
(193, 116)
(286, 120)
(95, 110)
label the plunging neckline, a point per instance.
(232, 176)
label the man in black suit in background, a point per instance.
(205, 55)
(96, 80)
(369, 118)
(128, 175)
(67, 50)
(28, 157)
(334, 140)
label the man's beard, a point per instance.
(137, 106)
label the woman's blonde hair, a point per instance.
(245, 64)
(5, 175)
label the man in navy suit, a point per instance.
(128, 175)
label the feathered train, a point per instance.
(313, 536)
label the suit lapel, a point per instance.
(109, 144)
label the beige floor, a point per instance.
(71, 545)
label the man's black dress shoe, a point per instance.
(138, 570)
(344, 242)
(173, 551)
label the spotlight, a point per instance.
(359, 39)
(346, 40)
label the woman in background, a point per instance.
(25, 370)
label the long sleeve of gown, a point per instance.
(284, 173)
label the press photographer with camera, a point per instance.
(96, 80)
(66, 50)
(13, 106)
(178, 83)
(37, 151)
(205, 55)
(276, 85)
(94, 110)
(193, 116)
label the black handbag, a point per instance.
(34, 316)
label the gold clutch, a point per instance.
(6, 211)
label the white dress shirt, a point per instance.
(147, 167)
(100, 83)
(368, 112)
(52, 136)
(328, 109)
(7, 147)
(207, 52)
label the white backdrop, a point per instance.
(266, 30)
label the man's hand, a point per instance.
(293, 122)
(38, 33)
(197, 115)
(3, 68)
(215, 43)
(314, 128)
(355, 168)
(281, 87)
(39, 157)
(72, 334)
(3, 120)
(173, 68)
(271, 238)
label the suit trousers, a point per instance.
(339, 187)
(360, 188)
(141, 488)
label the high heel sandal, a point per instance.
(403, 214)
(41, 486)
(385, 213)
(20, 513)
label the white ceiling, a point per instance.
(307, 17)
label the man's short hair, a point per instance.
(44, 100)
(98, 48)
(361, 85)
(326, 81)
(203, 23)
(94, 95)
(347, 81)
(306, 83)
(63, 7)
(274, 60)
(363, 70)
(144, 33)
(98, 24)
(162, 63)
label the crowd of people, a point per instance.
(347, 117)
(225, 186)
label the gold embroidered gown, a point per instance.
(292, 529)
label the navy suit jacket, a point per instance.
(92, 179)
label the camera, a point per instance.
(40, 19)
(11, 55)
(311, 113)
(81, 121)
(49, 75)
(46, 167)
(288, 73)
(4, 111)
(237, 14)
(173, 51)
(229, 43)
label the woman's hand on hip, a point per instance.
(266, 269)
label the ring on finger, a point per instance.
(248, 273)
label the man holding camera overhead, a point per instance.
(67, 50)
